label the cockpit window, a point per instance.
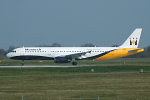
(13, 51)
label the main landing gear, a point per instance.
(74, 62)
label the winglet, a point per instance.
(133, 39)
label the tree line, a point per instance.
(145, 54)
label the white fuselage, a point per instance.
(52, 52)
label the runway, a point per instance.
(46, 66)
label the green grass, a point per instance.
(125, 87)
(51, 83)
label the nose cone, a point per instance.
(8, 55)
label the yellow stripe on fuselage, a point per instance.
(121, 52)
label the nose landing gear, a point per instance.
(22, 63)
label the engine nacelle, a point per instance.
(60, 60)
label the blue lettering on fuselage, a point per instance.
(32, 49)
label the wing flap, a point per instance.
(75, 55)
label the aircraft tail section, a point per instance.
(133, 39)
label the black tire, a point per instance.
(74, 63)
(22, 64)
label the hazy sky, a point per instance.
(72, 22)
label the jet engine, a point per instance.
(61, 60)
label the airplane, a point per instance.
(68, 54)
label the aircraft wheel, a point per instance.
(74, 63)
(22, 64)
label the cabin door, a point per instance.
(22, 52)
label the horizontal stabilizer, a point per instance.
(131, 51)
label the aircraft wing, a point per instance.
(76, 55)
(130, 51)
